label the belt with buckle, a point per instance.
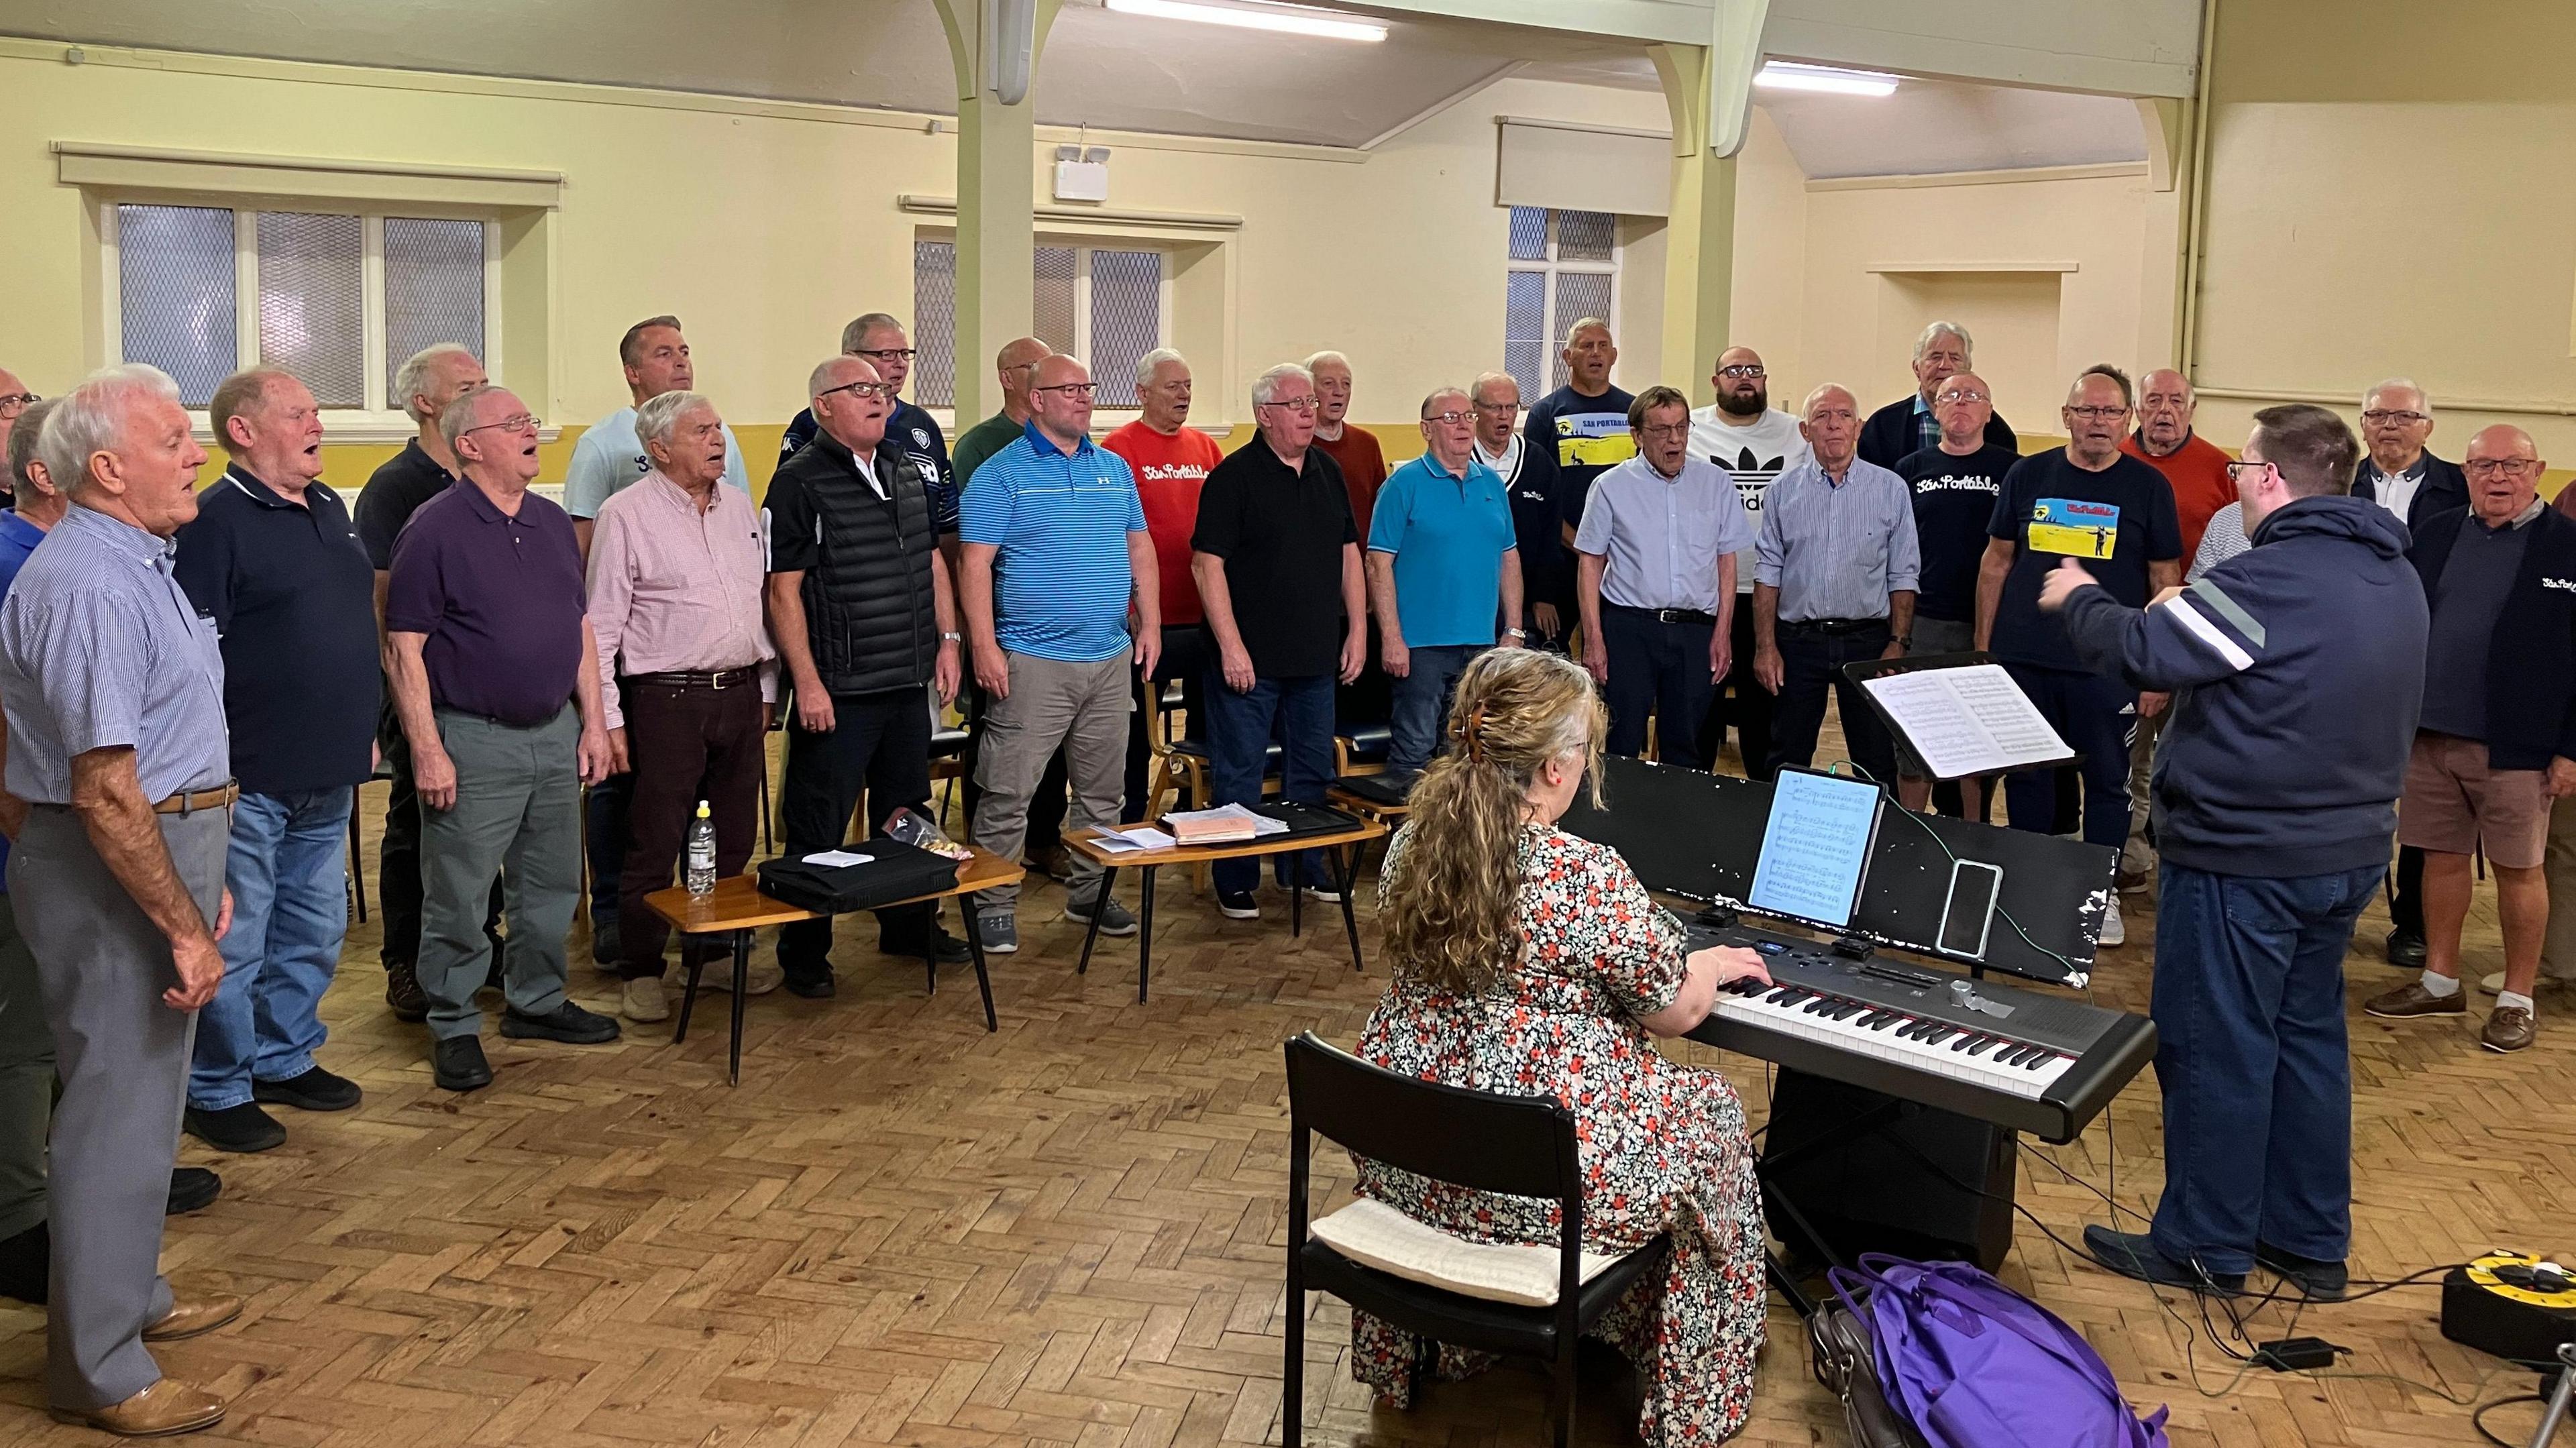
(1668, 615)
(1834, 625)
(204, 799)
(700, 679)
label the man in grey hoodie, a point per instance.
(2297, 670)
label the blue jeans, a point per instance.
(1422, 700)
(290, 911)
(1299, 714)
(2084, 709)
(2252, 1061)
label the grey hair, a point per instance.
(1265, 388)
(1320, 358)
(859, 328)
(1146, 364)
(1588, 324)
(91, 419)
(412, 378)
(1923, 342)
(820, 379)
(457, 418)
(656, 416)
(2392, 384)
(1476, 390)
(23, 439)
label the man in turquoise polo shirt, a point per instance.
(1056, 555)
(1443, 565)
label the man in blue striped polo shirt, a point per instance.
(1055, 554)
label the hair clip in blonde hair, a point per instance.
(1470, 732)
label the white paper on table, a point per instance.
(838, 857)
(1969, 720)
(1120, 842)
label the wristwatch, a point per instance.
(1904, 641)
(950, 638)
(1517, 633)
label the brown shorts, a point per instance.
(2454, 803)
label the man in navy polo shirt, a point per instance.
(273, 558)
(496, 680)
(1056, 553)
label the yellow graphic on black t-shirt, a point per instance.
(2077, 527)
(1593, 440)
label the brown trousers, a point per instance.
(685, 744)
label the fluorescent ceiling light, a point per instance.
(1289, 21)
(1790, 75)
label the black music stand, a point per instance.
(1909, 759)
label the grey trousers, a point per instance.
(26, 1081)
(517, 815)
(2137, 856)
(1083, 708)
(124, 1061)
(2558, 867)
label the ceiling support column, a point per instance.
(996, 183)
(1709, 91)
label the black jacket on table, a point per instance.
(866, 560)
(2531, 667)
(1891, 434)
(2444, 487)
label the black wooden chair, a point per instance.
(1520, 1145)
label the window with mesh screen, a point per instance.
(433, 289)
(339, 299)
(1097, 303)
(178, 297)
(1564, 266)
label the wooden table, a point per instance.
(737, 907)
(1111, 862)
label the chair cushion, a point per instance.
(1369, 743)
(1376, 1235)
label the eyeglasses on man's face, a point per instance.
(14, 403)
(516, 422)
(1962, 395)
(1078, 391)
(1450, 419)
(887, 354)
(883, 390)
(2097, 414)
(1745, 370)
(1294, 404)
(2398, 417)
(2498, 467)
(2238, 472)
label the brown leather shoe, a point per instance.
(190, 1316)
(168, 1406)
(2509, 1028)
(2411, 999)
(403, 993)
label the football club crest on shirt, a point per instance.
(2075, 527)
(921, 437)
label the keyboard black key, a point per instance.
(1939, 1035)
(1964, 1042)
(1983, 1046)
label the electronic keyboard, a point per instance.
(2001, 1054)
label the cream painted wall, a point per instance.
(2388, 195)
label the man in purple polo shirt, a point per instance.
(484, 619)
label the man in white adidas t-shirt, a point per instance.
(1746, 436)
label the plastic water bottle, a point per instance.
(702, 853)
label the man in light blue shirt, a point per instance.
(1833, 583)
(1440, 523)
(605, 460)
(1056, 555)
(1655, 579)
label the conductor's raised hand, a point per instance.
(2060, 583)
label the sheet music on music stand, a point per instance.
(1961, 714)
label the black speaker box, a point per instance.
(1870, 1173)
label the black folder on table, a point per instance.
(893, 871)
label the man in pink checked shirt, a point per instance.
(687, 674)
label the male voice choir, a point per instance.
(196, 679)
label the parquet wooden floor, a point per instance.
(901, 1230)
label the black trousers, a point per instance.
(1811, 666)
(1186, 651)
(879, 746)
(1741, 702)
(398, 861)
(1661, 669)
(2406, 901)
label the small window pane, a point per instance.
(1126, 320)
(1529, 233)
(1051, 312)
(1584, 235)
(1527, 362)
(934, 323)
(312, 307)
(1525, 307)
(175, 289)
(433, 290)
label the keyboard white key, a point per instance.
(1887, 1039)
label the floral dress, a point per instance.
(1663, 1146)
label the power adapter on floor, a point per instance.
(2298, 1354)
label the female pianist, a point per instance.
(1527, 961)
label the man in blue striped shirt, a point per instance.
(1056, 554)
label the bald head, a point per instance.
(1830, 422)
(2165, 406)
(1742, 384)
(1963, 404)
(2504, 468)
(1060, 400)
(1012, 363)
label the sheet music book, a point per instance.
(1968, 720)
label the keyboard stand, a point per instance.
(1912, 1158)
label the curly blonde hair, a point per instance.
(1450, 900)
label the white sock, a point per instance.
(2507, 1000)
(2440, 987)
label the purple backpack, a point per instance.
(1975, 1364)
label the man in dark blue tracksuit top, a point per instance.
(2297, 671)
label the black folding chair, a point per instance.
(1519, 1145)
